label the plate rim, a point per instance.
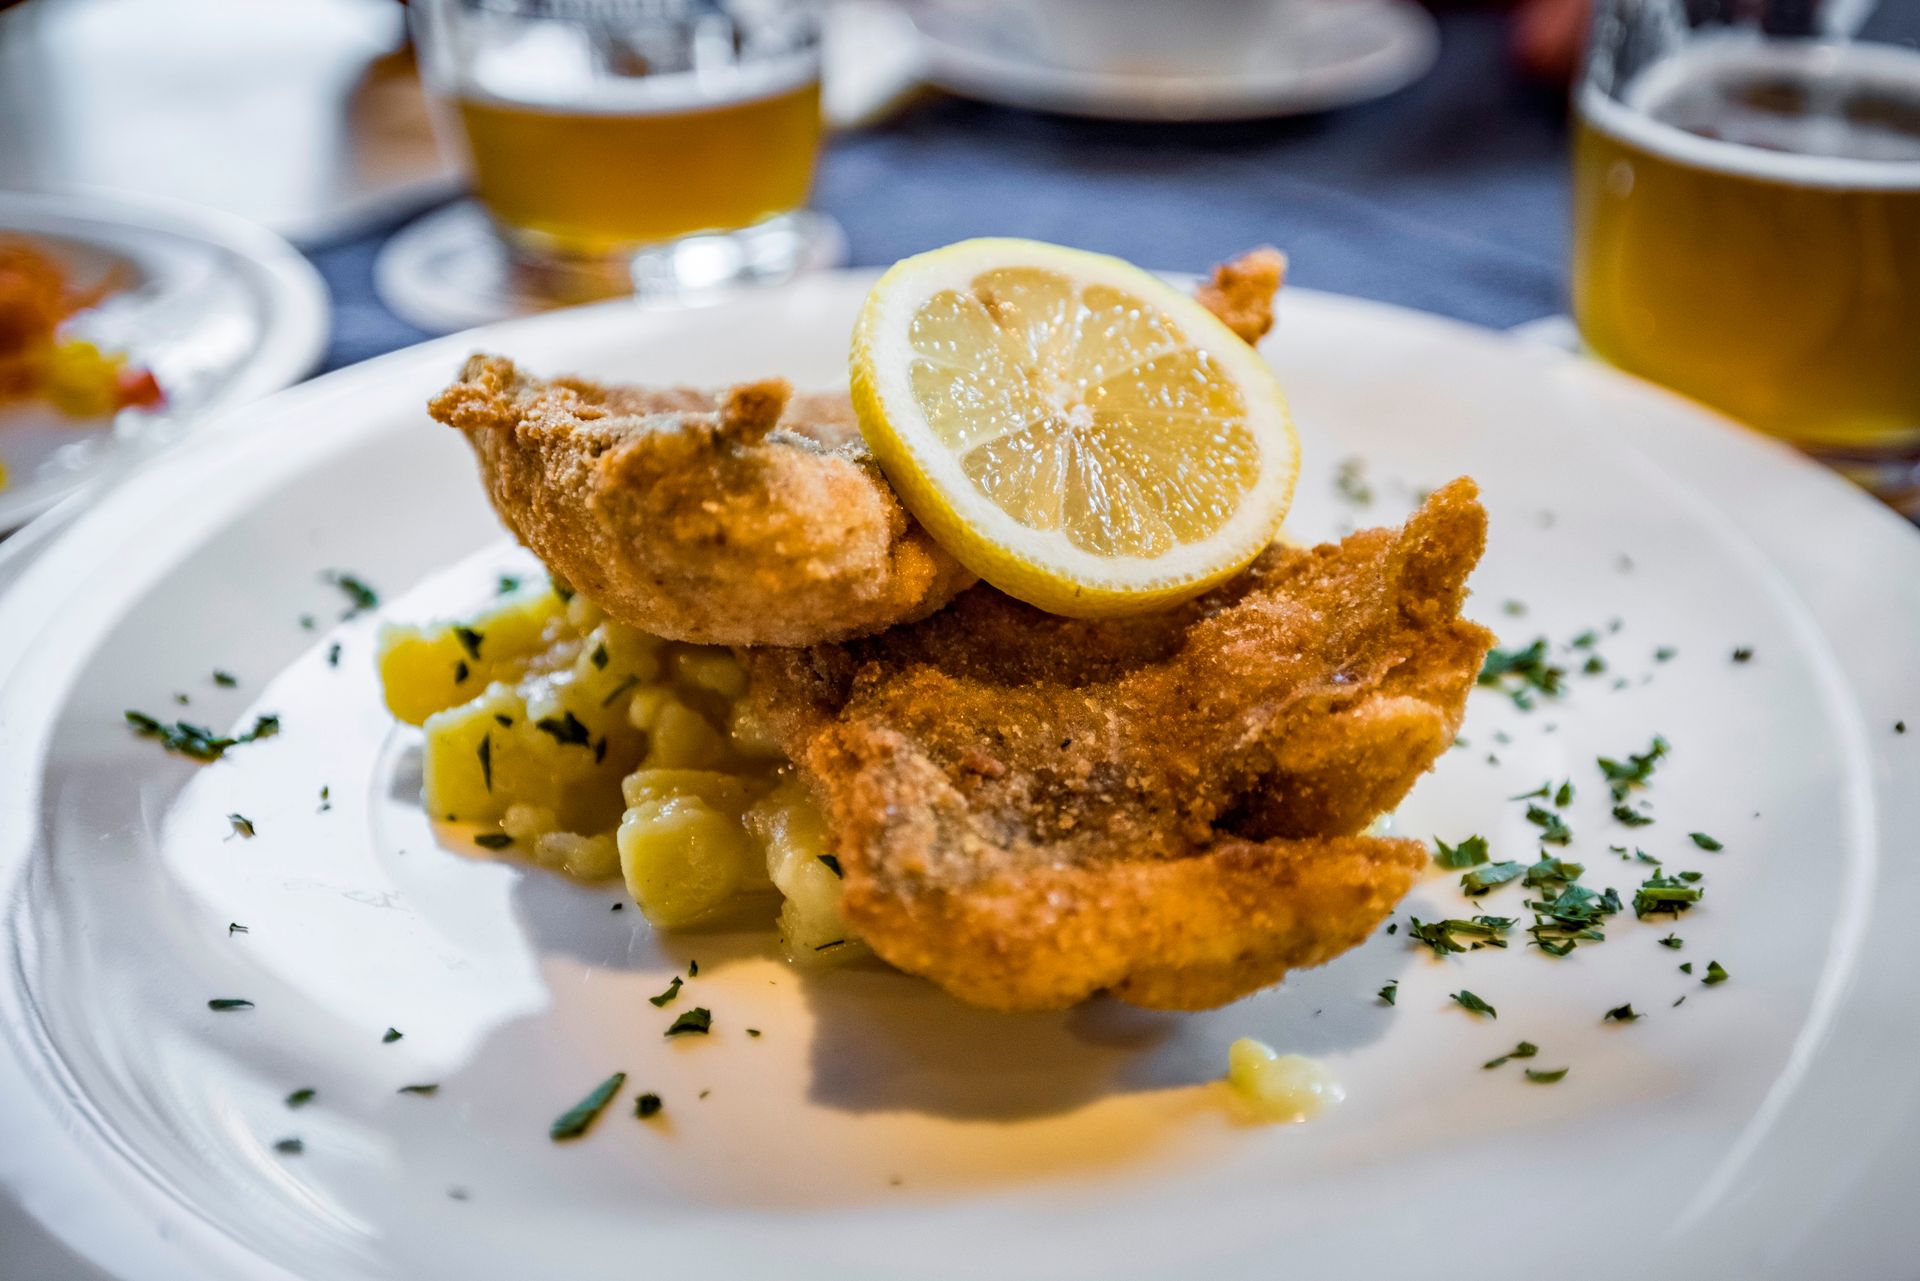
(86, 1173)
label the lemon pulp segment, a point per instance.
(1081, 409)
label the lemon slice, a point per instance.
(1074, 430)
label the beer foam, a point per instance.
(550, 69)
(1863, 65)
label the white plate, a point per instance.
(222, 311)
(1766, 1128)
(1334, 53)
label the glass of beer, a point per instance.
(659, 147)
(1747, 218)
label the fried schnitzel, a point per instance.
(1028, 809)
(752, 516)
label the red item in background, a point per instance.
(1547, 37)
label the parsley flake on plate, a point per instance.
(1481, 879)
(1470, 852)
(695, 1022)
(1663, 893)
(1636, 771)
(1620, 1014)
(197, 741)
(493, 840)
(1546, 1078)
(1474, 1004)
(1524, 1050)
(225, 680)
(426, 1090)
(832, 864)
(666, 997)
(242, 825)
(647, 1105)
(573, 1123)
(391, 1035)
(229, 1003)
(301, 1097)
(289, 1147)
(1390, 992)
(1705, 842)
(1714, 974)
(1553, 828)
(360, 597)
(1521, 673)
(1485, 931)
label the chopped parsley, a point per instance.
(461, 671)
(833, 865)
(1390, 993)
(470, 641)
(673, 990)
(1474, 1004)
(1470, 852)
(1670, 894)
(1521, 673)
(1664, 653)
(566, 729)
(1899, 727)
(391, 1035)
(506, 585)
(1524, 1050)
(1686, 967)
(1715, 974)
(289, 1147)
(647, 1105)
(326, 798)
(1552, 874)
(225, 680)
(573, 1123)
(229, 1003)
(693, 968)
(300, 1098)
(1673, 941)
(493, 840)
(561, 588)
(753, 1032)
(1545, 1078)
(1350, 481)
(1485, 931)
(695, 1022)
(599, 657)
(426, 1091)
(485, 753)
(1743, 654)
(1631, 816)
(360, 597)
(197, 741)
(233, 929)
(333, 654)
(241, 824)
(1705, 842)
(1571, 917)
(1620, 1014)
(1481, 879)
(1553, 828)
(1594, 666)
(1623, 776)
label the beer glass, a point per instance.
(1747, 217)
(652, 146)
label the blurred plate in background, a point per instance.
(1298, 56)
(220, 310)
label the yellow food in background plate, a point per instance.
(596, 749)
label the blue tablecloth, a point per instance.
(1449, 196)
